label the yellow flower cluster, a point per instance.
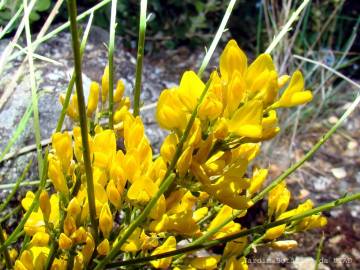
(212, 171)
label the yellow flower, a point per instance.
(40, 239)
(236, 264)
(184, 161)
(65, 242)
(69, 225)
(200, 213)
(148, 242)
(56, 175)
(62, 143)
(235, 247)
(182, 223)
(133, 243)
(79, 236)
(275, 232)
(232, 59)
(88, 248)
(27, 201)
(72, 109)
(168, 245)
(278, 201)
(105, 84)
(190, 89)
(45, 205)
(103, 248)
(210, 108)
(159, 209)
(113, 194)
(246, 121)
(106, 220)
(74, 208)
(259, 176)
(294, 94)
(104, 148)
(168, 147)
(229, 229)
(93, 99)
(142, 190)
(120, 88)
(170, 112)
(270, 126)
(235, 94)
(206, 263)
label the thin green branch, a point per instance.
(34, 98)
(140, 56)
(260, 229)
(168, 180)
(16, 187)
(10, 214)
(72, 9)
(217, 37)
(11, 22)
(72, 80)
(111, 62)
(318, 252)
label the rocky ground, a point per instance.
(331, 173)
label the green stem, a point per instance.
(5, 251)
(318, 252)
(169, 178)
(140, 56)
(72, 80)
(16, 187)
(248, 248)
(82, 116)
(111, 63)
(217, 37)
(257, 229)
(34, 97)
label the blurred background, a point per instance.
(176, 39)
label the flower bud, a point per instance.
(184, 161)
(284, 245)
(113, 194)
(45, 205)
(40, 239)
(74, 208)
(120, 88)
(105, 220)
(168, 147)
(88, 248)
(103, 248)
(79, 236)
(64, 241)
(69, 225)
(93, 99)
(105, 84)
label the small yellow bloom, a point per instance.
(259, 176)
(105, 84)
(206, 263)
(113, 194)
(168, 147)
(56, 175)
(93, 99)
(168, 245)
(69, 225)
(235, 247)
(231, 228)
(88, 248)
(221, 129)
(40, 239)
(278, 201)
(275, 232)
(148, 242)
(236, 264)
(79, 236)
(103, 248)
(232, 59)
(184, 161)
(120, 88)
(142, 190)
(190, 89)
(106, 220)
(104, 148)
(62, 143)
(294, 94)
(45, 206)
(210, 108)
(170, 112)
(200, 213)
(13, 254)
(65, 242)
(246, 121)
(133, 243)
(74, 208)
